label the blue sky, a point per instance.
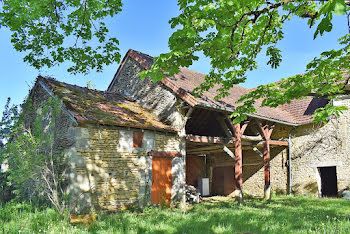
(143, 26)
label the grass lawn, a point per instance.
(283, 214)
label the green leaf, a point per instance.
(339, 7)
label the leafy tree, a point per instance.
(233, 33)
(36, 168)
(9, 118)
(55, 31)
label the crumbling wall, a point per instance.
(38, 98)
(153, 96)
(110, 174)
(318, 145)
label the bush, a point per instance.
(6, 188)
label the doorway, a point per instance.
(329, 187)
(161, 180)
(223, 180)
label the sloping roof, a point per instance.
(95, 106)
(183, 83)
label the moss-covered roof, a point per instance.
(95, 106)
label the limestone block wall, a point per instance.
(253, 171)
(316, 145)
(109, 174)
(153, 96)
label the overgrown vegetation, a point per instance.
(282, 215)
(36, 168)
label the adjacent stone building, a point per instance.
(140, 142)
(119, 153)
(280, 147)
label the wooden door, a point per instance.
(195, 169)
(161, 180)
(223, 180)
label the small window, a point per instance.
(138, 137)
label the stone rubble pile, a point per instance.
(192, 195)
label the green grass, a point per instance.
(281, 215)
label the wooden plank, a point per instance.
(281, 143)
(164, 154)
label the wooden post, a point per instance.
(238, 157)
(266, 130)
(267, 188)
(238, 132)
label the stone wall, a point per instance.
(110, 174)
(63, 122)
(253, 171)
(153, 96)
(317, 145)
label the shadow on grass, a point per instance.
(282, 215)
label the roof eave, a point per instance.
(278, 121)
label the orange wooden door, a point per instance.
(161, 180)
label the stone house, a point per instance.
(120, 154)
(140, 142)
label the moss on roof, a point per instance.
(95, 106)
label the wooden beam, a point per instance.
(207, 139)
(183, 94)
(229, 152)
(281, 143)
(164, 154)
(251, 138)
(203, 149)
(182, 132)
(221, 121)
(272, 142)
(244, 127)
(256, 150)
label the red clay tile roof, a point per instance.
(94, 106)
(183, 83)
